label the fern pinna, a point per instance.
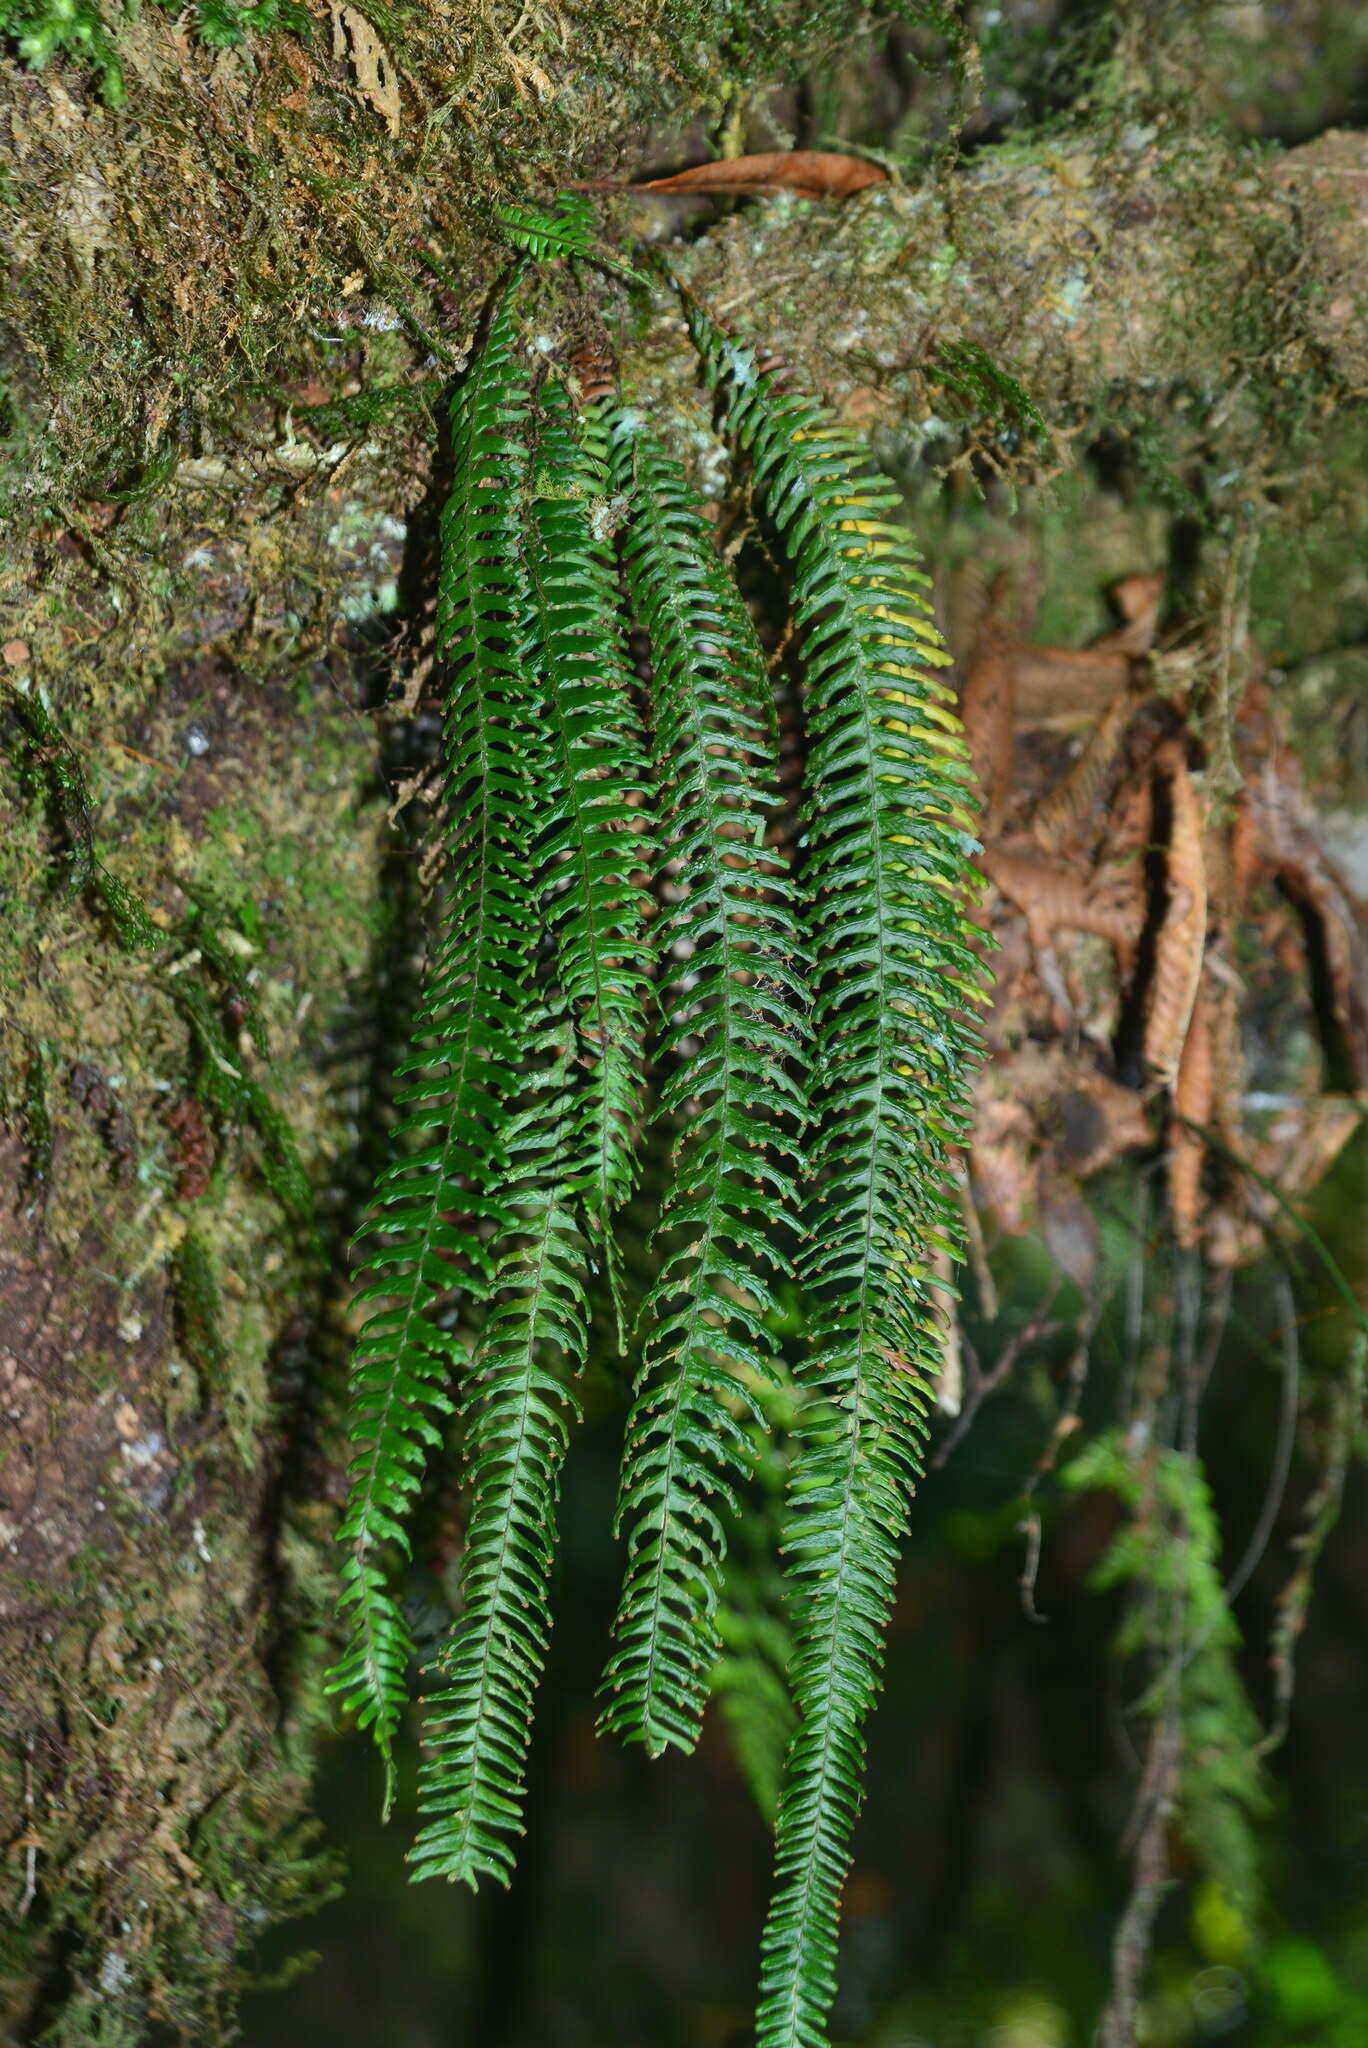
(811, 1058)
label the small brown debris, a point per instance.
(193, 1153)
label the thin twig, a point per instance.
(983, 1384)
(1321, 1514)
(1282, 1457)
(1149, 1828)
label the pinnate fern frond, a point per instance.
(471, 1783)
(592, 844)
(565, 231)
(732, 945)
(422, 1232)
(888, 842)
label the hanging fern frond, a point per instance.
(593, 844)
(733, 947)
(888, 842)
(471, 1783)
(423, 1231)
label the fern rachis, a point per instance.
(596, 835)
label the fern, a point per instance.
(470, 1033)
(734, 1029)
(574, 1149)
(893, 977)
(470, 1786)
(566, 232)
(553, 794)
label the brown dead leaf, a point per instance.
(987, 710)
(814, 173)
(1073, 801)
(1137, 598)
(1063, 688)
(1053, 897)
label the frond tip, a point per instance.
(477, 1722)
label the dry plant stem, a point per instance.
(1282, 1454)
(1066, 1422)
(978, 1252)
(1321, 1514)
(1156, 1798)
(1153, 1812)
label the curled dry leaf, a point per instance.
(1181, 938)
(1056, 687)
(1137, 598)
(1064, 810)
(1193, 1097)
(814, 173)
(1053, 897)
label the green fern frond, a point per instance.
(750, 1678)
(565, 232)
(471, 1783)
(471, 1031)
(734, 1028)
(888, 843)
(593, 843)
